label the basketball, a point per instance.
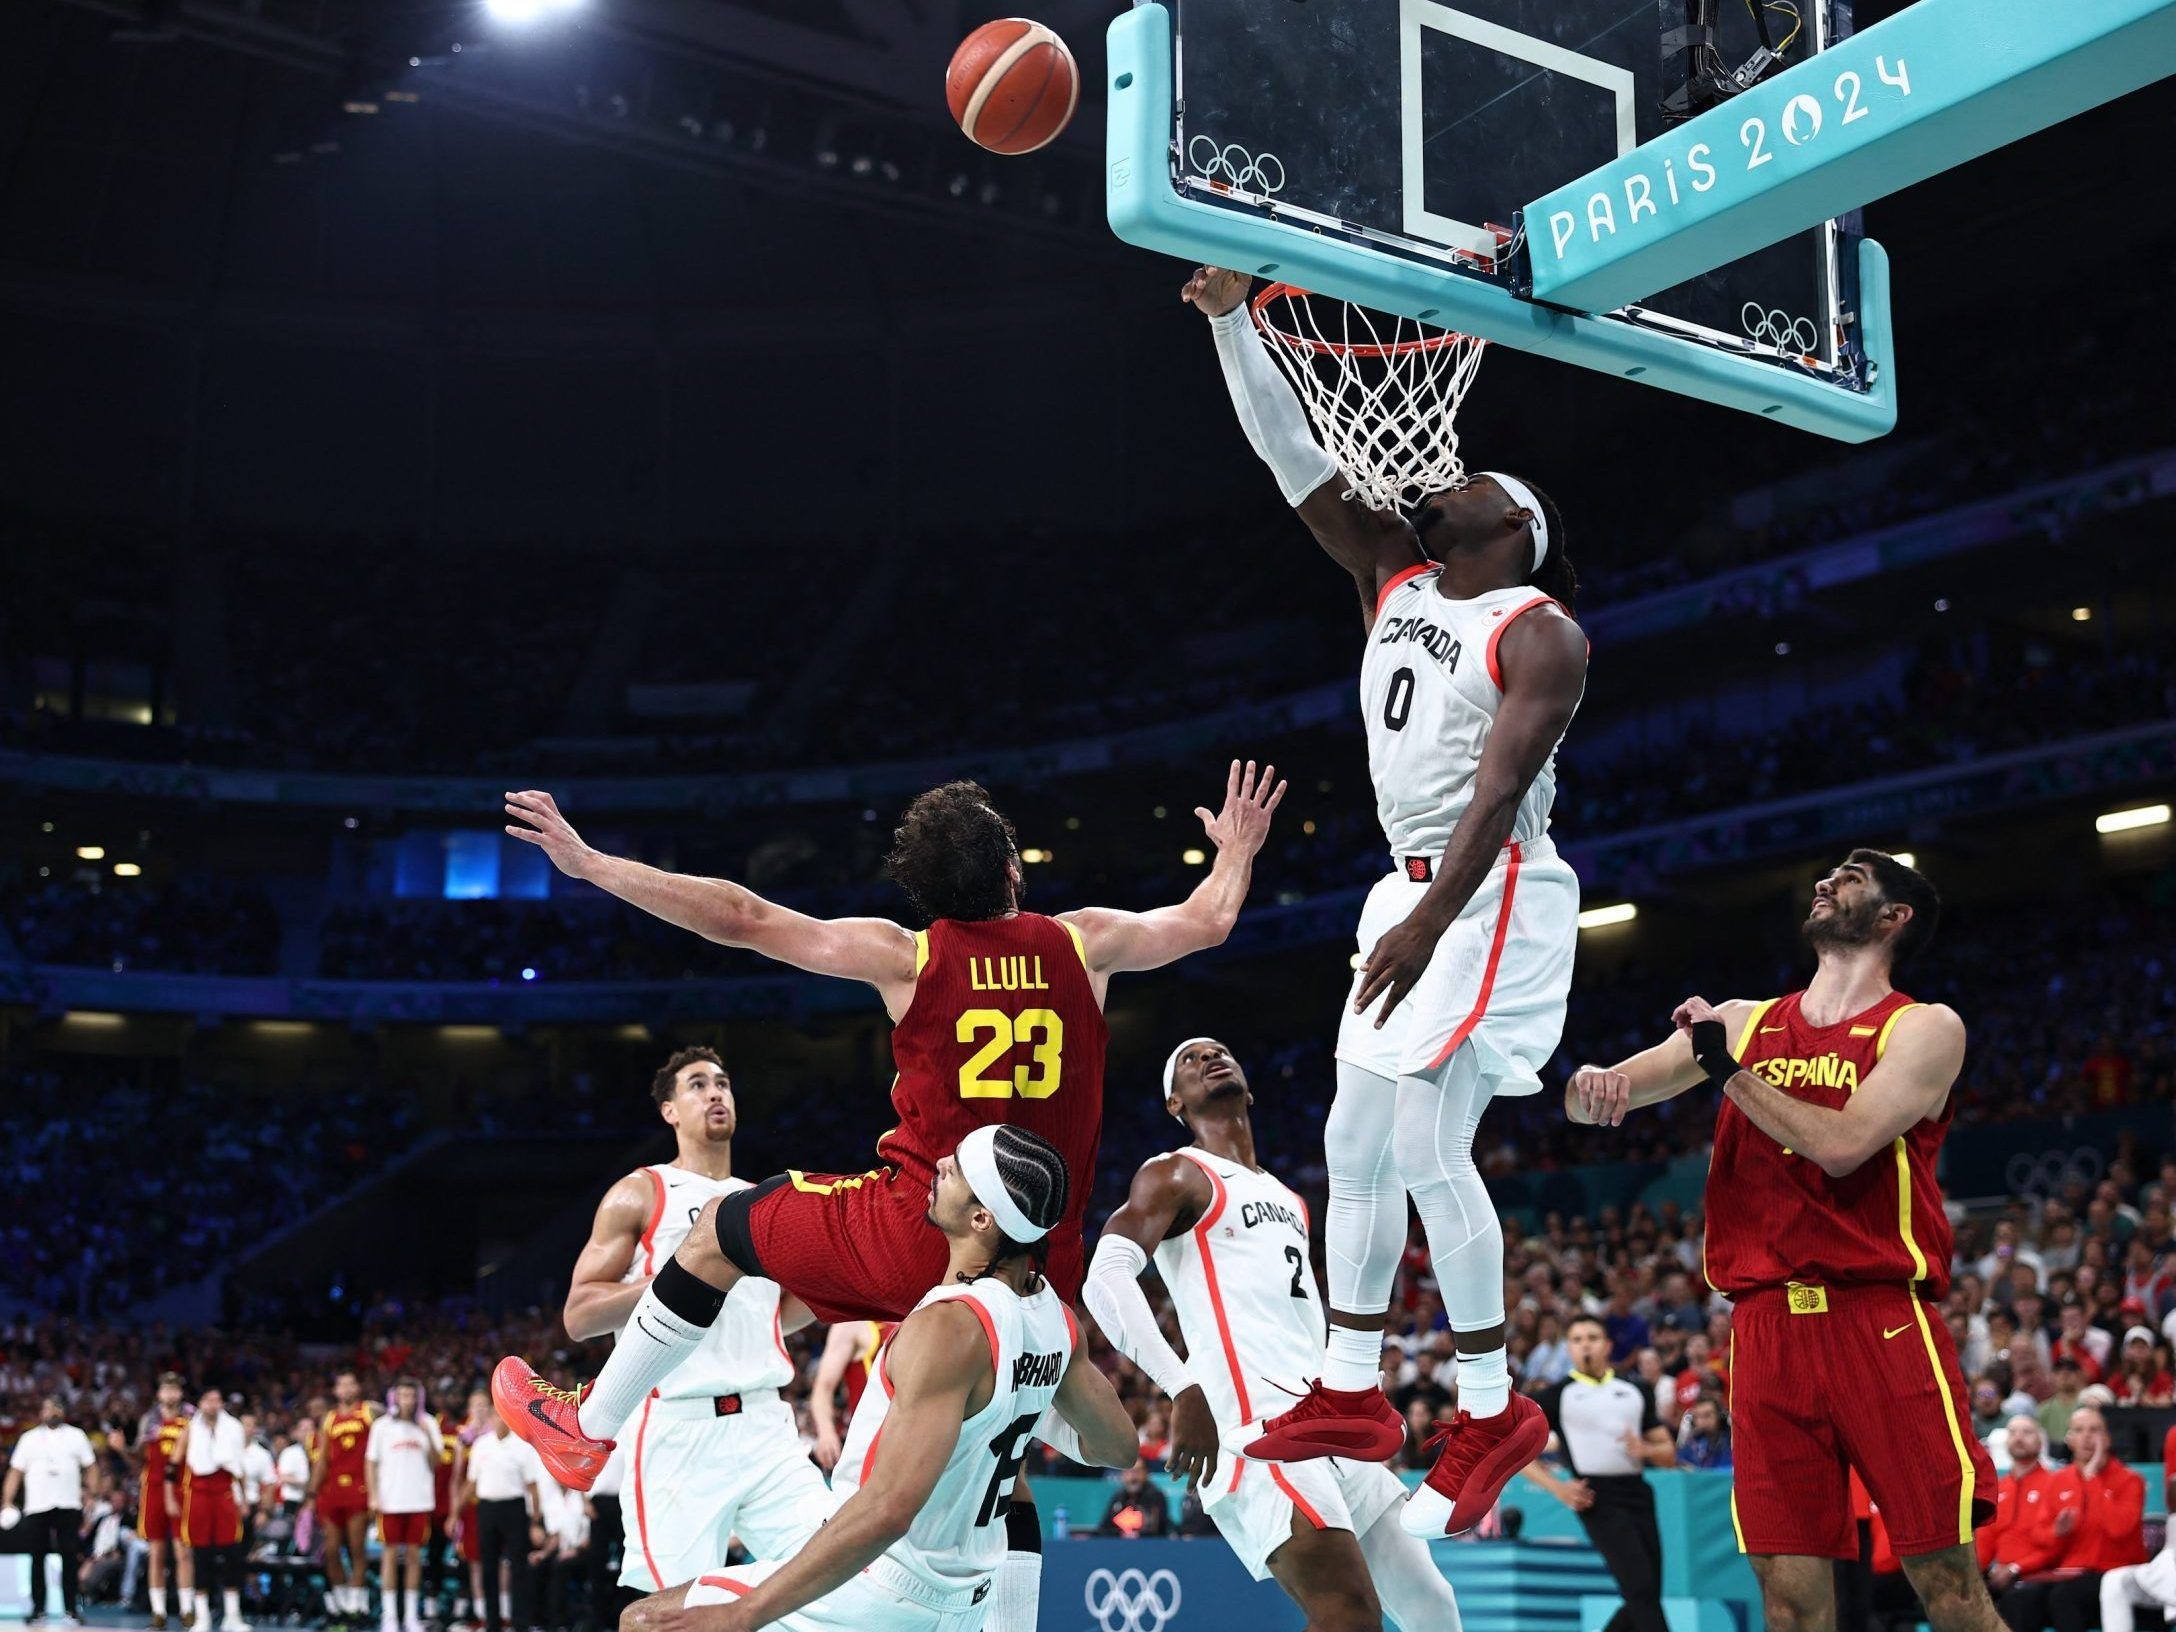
(1012, 85)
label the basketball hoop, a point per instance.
(1383, 391)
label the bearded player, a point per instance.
(715, 1451)
(1231, 1243)
(1826, 1230)
(1472, 671)
(997, 1018)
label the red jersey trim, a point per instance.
(1496, 635)
(739, 1589)
(1292, 1494)
(1399, 581)
(642, 1512)
(1495, 957)
(1216, 1292)
(989, 1326)
(657, 1217)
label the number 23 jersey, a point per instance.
(1004, 1027)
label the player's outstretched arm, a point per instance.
(598, 1303)
(1917, 1070)
(1169, 1194)
(1372, 545)
(1542, 659)
(938, 1359)
(1600, 1095)
(871, 949)
(1116, 942)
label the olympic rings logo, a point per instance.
(1797, 335)
(2053, 1171)
(1234, 166)
(1132, 1600)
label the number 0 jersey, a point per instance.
(959, 1534)
(1429, 691)
(1004, 1027)
(1243, 1287)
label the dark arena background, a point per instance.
(660, 403)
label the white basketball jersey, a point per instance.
(744, 1348)
(1243, 1285)
(960, 1532)
(1429, 691)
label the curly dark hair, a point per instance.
(953, 855)
(668, 1074)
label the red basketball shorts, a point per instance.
(466, 1540)
(337, 1504)
(403, 1529)
(1826, 1379)
(856, 1246)
(209, 1516)
(151, 1520)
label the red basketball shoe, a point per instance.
(1479, 1456)
(546, 1417)
(1357, 1423)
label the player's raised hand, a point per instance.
(535, 818)
(1691, 1012)
(1597, 1097)
(1249, 802)
(1212, 291)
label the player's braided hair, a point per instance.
(1554, 577)
(1034, 1176)
(668, 1074)
(953, 855)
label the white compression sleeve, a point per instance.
(1269, 413)
(1365, 1225)
(1114, 1296)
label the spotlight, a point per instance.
(1192, 857)
(90, 852)
(127, 869)
(1623, 912)
(2123, 821)
(1904, 858)
(528, 974)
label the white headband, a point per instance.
(978, 1165)
(1171, 1066)
(1523, 496)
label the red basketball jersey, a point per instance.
(863, 1366)
(1004, 1027)
(346, 1438)
(1774, 1217)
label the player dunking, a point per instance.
(1232, 1246)
(988, 1357)
(1472, 672)
(1825, 1228)
(997, 1017)
(715, 1452)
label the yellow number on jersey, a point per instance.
(1040, 1030)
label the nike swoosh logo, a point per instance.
(536, 1410)
(1907, 1326)
(646, 1332)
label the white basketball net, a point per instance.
(1383, 391)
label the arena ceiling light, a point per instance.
(127, 869)
(2123, 821)
(90, 852)
(1622, 912)
(520, 13)
(1193, 858)
(1904, 858)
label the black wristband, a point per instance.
(1711, 1049)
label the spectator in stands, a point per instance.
(2088, 1521)
(2055, 1410)
(2142, 1375)
(2077, 1340)
(1550, 1359)
(113, 1553)
(1137, 1508)
(1705, 1441)
(1987, 1417)
(2006, 1254)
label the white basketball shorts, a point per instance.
(1499, 977)
(696, 1479)
(883, 1598)
(1257, 1501)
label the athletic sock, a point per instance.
(1018, 1598)
(1484, 1383)
(674, 1312)
(185, 1598)
(1353, 1360)
(158, 1600)
(233, 1597)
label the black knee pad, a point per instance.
(736, 1239)
(1023, 1529)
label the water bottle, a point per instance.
(1061, 1526)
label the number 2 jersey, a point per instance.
(959, 1534)
(1430, 687)
(1004, 1027)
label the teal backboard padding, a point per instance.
(1144, 208)
(1939, 83)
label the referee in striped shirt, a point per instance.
(1610, 1435)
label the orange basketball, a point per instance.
(1012, 85)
